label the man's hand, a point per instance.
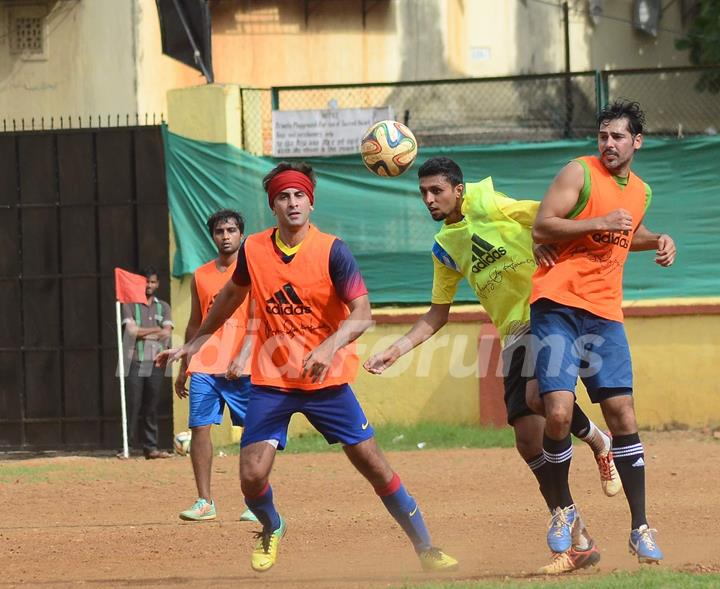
(180, 384)
(617, 220)
(380, 362)
(235, 368)
(174, 354)
(545, 255)
(163, 358)
(665, 253)
(317, 363)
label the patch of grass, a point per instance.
(441, 435)
(410, 437)
(644, 579)
(30, 473)
(67, 470)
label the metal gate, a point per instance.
(73, 205)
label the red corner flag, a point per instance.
(129, 287)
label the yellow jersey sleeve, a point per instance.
(445, 283)
(522, 211)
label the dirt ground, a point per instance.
(101, 522)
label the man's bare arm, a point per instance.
(317, 363)
(230, 297)
(422, 330)
(663, 244)
(195, 312)
(552, 224)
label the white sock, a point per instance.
(597, 439)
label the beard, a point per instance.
(616, 162)
(438, 215)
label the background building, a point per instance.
(102, 57)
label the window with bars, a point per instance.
(28, 31)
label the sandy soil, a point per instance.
(101, 522)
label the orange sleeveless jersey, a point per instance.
(297, 308)
(589, 270)
(216, 354)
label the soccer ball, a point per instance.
(181, 443)
(388, 148)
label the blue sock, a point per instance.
(264, 509)
(406, 512)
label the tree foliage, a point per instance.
(703, 42)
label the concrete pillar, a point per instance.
(206, 113)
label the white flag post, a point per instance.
(121, 370)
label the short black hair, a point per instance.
(149, 271)
(301, 167)
(623, 109)
(442, 166)
(225, 215)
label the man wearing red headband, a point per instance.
(312, 304)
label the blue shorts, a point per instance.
(570, 342)
(333, 411)
(210, 393)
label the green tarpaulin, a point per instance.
(390, 232)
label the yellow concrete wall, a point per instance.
(673, 358)
(435, 382)
(210, 112)
(438, 381)
(674, 386)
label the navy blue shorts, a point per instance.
(570, 342)
(333, 411)
(210, 393)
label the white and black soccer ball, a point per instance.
(181, 443)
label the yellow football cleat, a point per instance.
(266, 549)
(435, 559)
(609, 477)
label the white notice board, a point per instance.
(336, 131)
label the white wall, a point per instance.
(89, 67)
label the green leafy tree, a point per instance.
(703, 42)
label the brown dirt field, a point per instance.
(101, 522)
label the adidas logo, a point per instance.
(619, 238)
(639, 462)
(484, 254)
(286, 302)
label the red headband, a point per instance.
(290, 179)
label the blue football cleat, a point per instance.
(559, 536)
(642, 544)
